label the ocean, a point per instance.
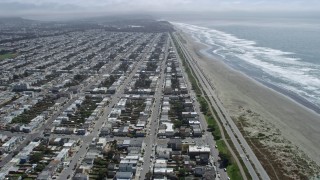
(279, 53)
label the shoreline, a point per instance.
(240, 93)
(289, 94)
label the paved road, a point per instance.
(39, 131)
(241, 146)
(31, 136)
(77, 158)
(153, 123)
(207, 135)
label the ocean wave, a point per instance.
(292, 73)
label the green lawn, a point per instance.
(224, 153)
(234, 172)
(8, 56)
(232, 168)
(222, 146)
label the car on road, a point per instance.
(225, 170)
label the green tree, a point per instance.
(177, 123)
(225, 158)
(182, 172)
(36, 157)
(102, 174)
(39, 167)
(148, 176)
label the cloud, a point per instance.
(100, 7)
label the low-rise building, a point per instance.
(124, 175)
(163, 152)
(201, 151)
(10, 144)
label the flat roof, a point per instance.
(199, 149)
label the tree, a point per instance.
(177, 123)
(211, 128)
(15, 76)
(39, 167)
(225, 158)
(24, 176)
(182, 172)
(114, 144)
(102, 174)
(99, 162)
(110, 154)
(36, 157)
(148, 176)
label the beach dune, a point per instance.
(237, 91)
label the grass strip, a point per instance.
(8, 56)
(225, 155)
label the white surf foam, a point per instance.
(278, 64)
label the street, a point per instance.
(241, 146)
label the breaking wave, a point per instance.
(281, 69)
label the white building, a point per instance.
(101, 143)
(167, 87)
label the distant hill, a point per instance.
(130, 23)
(115, 18)
(15, 21)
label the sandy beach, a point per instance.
(282, 121)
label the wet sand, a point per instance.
(239, 93)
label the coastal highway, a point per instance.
(207, 135)
(240, 143)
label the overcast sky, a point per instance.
(74, 8)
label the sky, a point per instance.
(87, 8)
